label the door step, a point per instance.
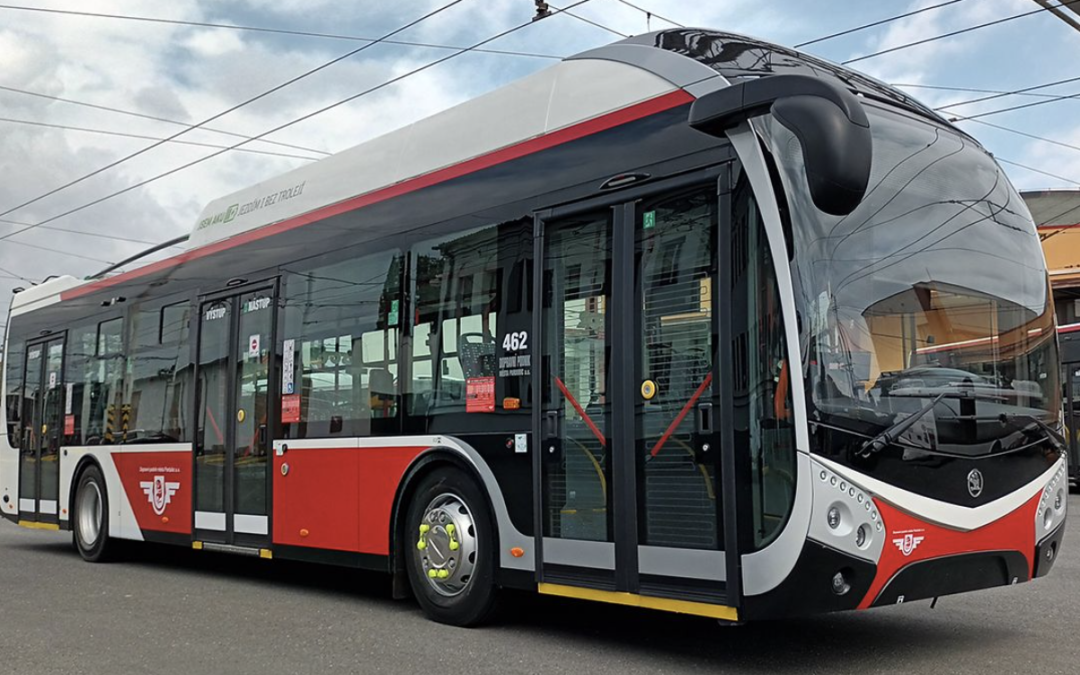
(232, 549)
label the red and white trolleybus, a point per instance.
(691, 321)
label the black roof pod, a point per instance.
(828, 120)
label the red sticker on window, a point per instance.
(290, 408)
(480, 394)
(69, 425)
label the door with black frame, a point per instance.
(42, 431)
(628, 470)
(235, 369)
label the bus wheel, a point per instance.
(452, 542)
(91, 517)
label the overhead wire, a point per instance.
(649, 12)
(1023, 133)
(590, 22)
(154, 118)
(233, 108)
(286, 125)
(121, 134)
(954, 33)
(874, 24)
(272, 31)
(1015, 92)
(1023, 106)
(1033, 169)
(998, 93)
(110, 237)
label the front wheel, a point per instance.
(91, 516)
(450, 539)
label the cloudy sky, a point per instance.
(189, 73)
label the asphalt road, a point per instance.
(164, 610)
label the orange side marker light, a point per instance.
(517, 552)
(511, 403)
(304, 532)
(165, 519)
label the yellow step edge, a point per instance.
(38, 526)
(648, 602)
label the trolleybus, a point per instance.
(692, 322)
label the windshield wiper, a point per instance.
(1051, 433)
(896, 430)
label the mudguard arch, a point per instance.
(465, 456)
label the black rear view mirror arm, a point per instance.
(827, 119)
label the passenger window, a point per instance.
(14, 378)
(157, 375)
(341, 325)
(471, 294)
(763, 412)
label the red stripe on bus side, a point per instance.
(534, 145)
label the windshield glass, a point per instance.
(934, 285)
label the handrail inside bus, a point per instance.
(682, 414)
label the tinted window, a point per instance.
(158, 372)
(471, 346)
(341, 330)
(14, 378)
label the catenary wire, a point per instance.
(1034, 170)
(154, 118)
(590, 22)
(998, 93)
(649, 12)
(276, 31)
(110, 237)
(874, 24)
(1023, 106)
(1014, 92)
(233, 108)
(370, 90)
(106, 132)
(954, 33)
(1024, 133)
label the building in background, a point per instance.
(1057, 215)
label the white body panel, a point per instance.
(567, 93)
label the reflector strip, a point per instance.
(38, 526)
(633, 600)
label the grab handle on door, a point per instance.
(551, 424)
(705, 418)
(262, 435)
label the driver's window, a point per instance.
(470, 297)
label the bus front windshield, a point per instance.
(930, 299)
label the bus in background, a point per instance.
(1069, 340)
(692, 322)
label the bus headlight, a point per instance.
(1052, 504)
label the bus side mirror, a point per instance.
(827, 119)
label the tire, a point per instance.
(90, 523)
(451, 569)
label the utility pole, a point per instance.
(1067, 10)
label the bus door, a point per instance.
(42, 431)
(1072, 415)
(628, 470)
(234, 420)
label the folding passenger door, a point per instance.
(628, 473)
(235, 377)
(42, 431)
